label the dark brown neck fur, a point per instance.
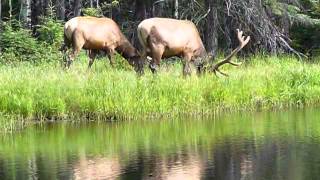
(201, 53)
(126, 49)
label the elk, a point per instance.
(165, 37)
(96, 34)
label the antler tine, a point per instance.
(242, 39)
(246, 41)
(240, 33)
(219, 71)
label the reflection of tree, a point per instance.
(185, 166)
(138, 166)
(97, 168)
(224, 163)
(13, 170)
(247, 160)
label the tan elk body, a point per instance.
(96, 34)
(165, 37)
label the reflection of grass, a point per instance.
(159, 135)
(48, 91)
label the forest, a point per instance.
(280, 62)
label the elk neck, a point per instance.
(201, 52)
(126, 49)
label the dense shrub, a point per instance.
(50, 31)
(18, 45)
(97, 12)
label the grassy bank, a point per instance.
(47, 91)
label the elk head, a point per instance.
(137, 63)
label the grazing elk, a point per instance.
(96, 34)
(165, 37)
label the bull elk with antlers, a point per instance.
(165, 37)
(96, 34)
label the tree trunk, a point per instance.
(25, 13)
(0, 23)
(0, 15)
(116, 14)
(10, 10)
(140, 14)
(60, 5)
(227, 33)
(45, 7)
(285, 24)
(77, 8)
(176, 9)
(69, 9)
(158, 8)
(140, 10)
(97, 3)
(211, 27)
(91, 3)
(36, 10)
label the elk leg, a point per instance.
(157, 53)
(143, 60)
(186, 68)
(200, 69)
(186, 64)
(72, 56)
(92, 56)
(65, 58)
(77, 44)
(64, 49)
(110, 57)
(198, 65)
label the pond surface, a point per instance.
(268, 145)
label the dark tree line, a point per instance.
(275, 25)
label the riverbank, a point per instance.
(48, 92)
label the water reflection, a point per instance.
(98, 168)
(281, 145)
(188, 166)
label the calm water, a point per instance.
(273, 145)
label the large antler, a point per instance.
(243, 42)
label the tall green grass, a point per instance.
(48, 91)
